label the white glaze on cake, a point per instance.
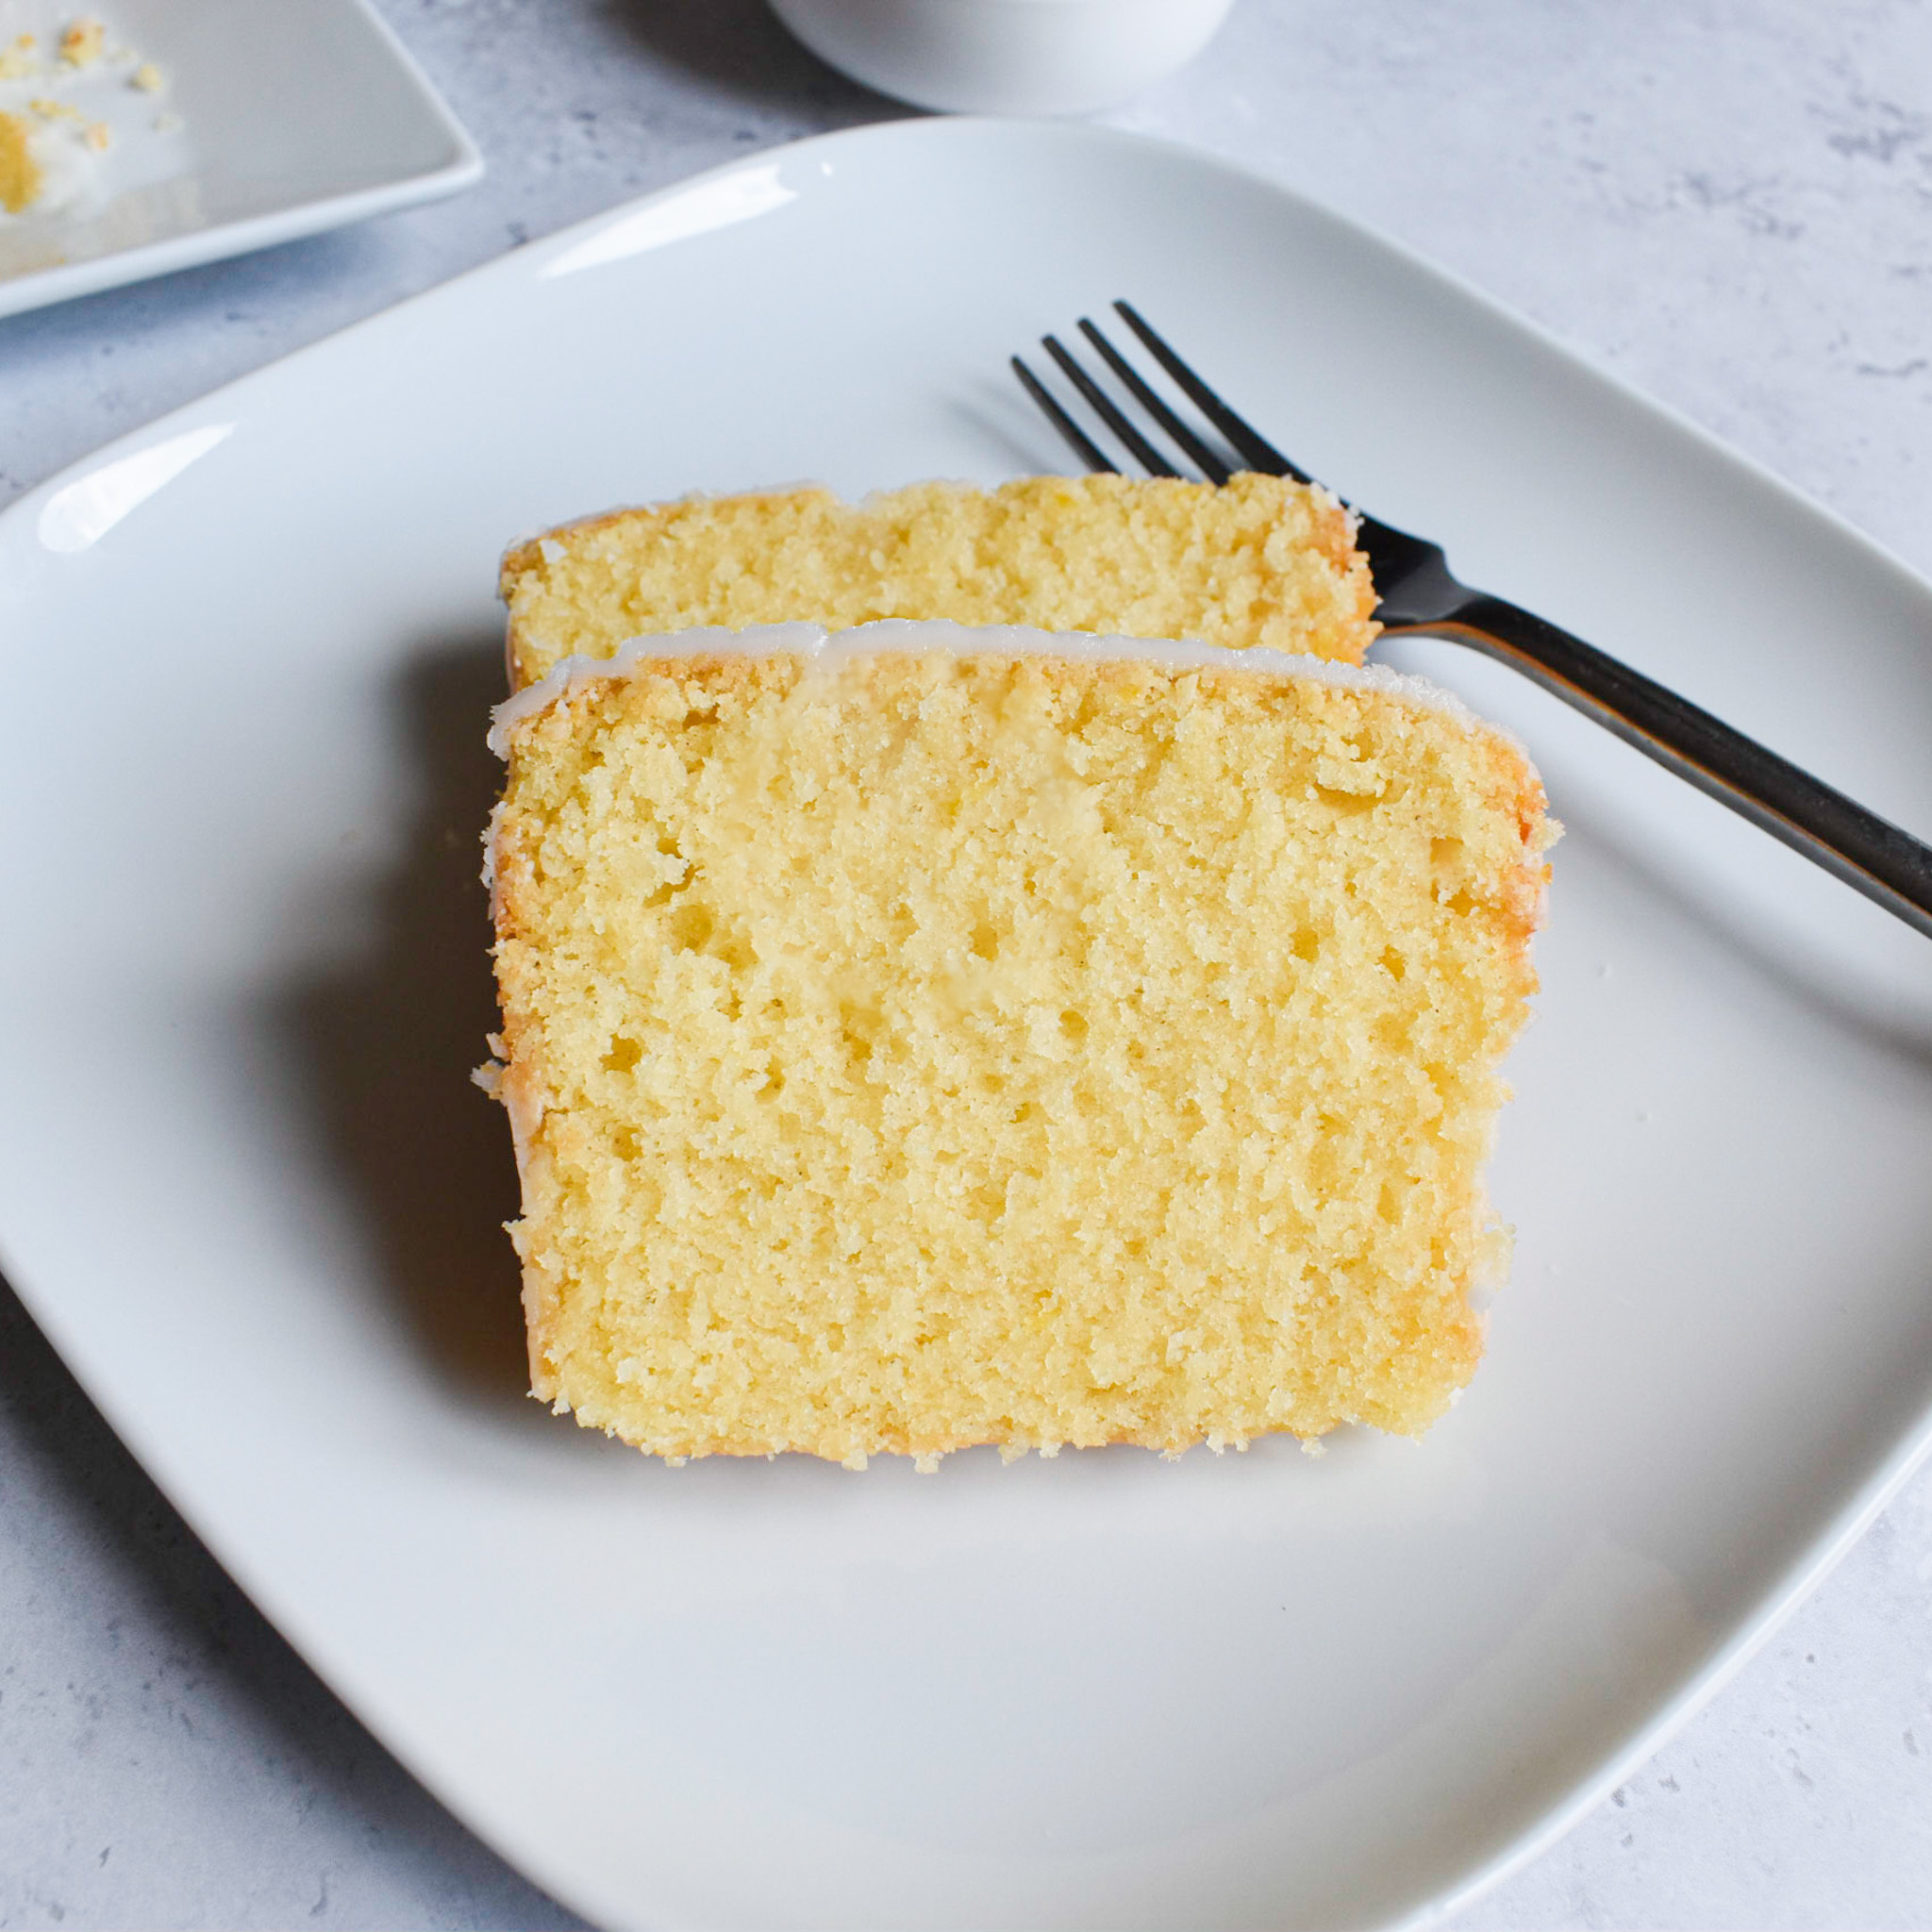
(903, 635)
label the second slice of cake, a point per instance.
(1258, 560)
(921, 1038)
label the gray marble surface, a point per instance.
(1727, 202)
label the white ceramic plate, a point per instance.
(275, 119)
(245, 1184)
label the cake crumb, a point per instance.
(51, 148)
(83, 42)
(20, 174)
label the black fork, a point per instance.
(1419, 595)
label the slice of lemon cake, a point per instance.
(917, 1038)
(1258, 560)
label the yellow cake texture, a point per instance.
(1260, 560)
(926, 1038)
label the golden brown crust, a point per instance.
(527, 554)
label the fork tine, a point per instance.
(1212, 467)
(1144, 453)
(1089, 453)
(1249, 442)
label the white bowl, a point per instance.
(1006, 57)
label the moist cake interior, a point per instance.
(937, 1039)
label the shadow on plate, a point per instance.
(1009, 422)
(385, 1043)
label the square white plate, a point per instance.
(245, 1184)
(276, 119)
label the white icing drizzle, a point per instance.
(905, 636)
(490, 835)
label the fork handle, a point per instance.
(1888, 865)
